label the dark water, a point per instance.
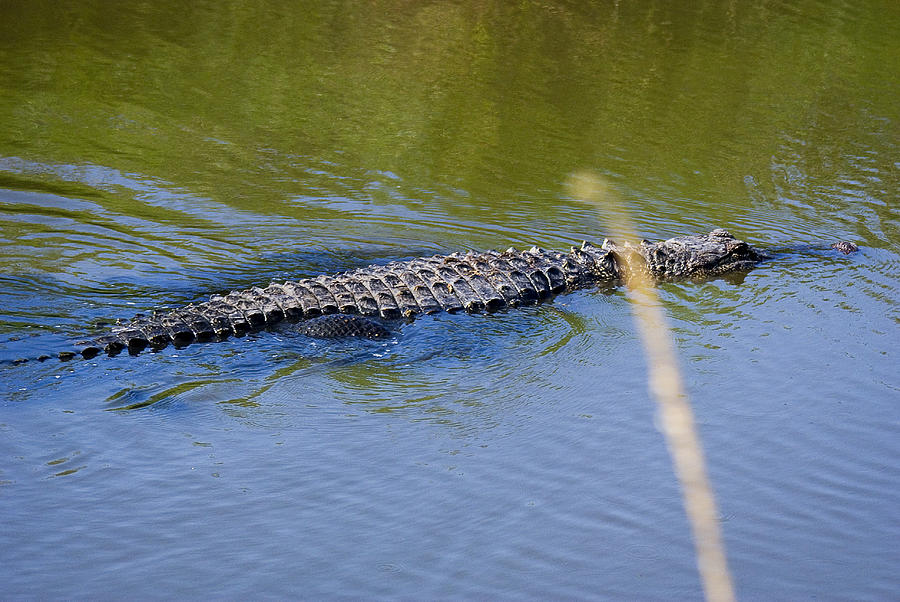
(152, 154)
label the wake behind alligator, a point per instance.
(343, 304)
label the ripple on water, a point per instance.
(458, 370)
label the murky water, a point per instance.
(151, 155)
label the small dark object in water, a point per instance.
(845, 247)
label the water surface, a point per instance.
(151, 155)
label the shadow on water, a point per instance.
(131, 398)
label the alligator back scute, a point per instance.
(498, 279)
(527, 293)
(364, 302)
(462, 273)
(421, 292)
(288, 305)
(235, 320)
(305, 300)
(327, 303)
(185, 326)
(406, 301)
(180, 331)
(446, 294)
(540, 261)
(209, 327)
(387, 305)
(346, 302)
(537, 278)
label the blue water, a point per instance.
(510, 455)
(513, 455)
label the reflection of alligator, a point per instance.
(472, 282)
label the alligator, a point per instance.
(352, 303)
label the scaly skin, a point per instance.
(471, 282)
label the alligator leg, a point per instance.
(335, 326)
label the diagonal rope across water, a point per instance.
(675, 412)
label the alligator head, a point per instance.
(700, 255)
